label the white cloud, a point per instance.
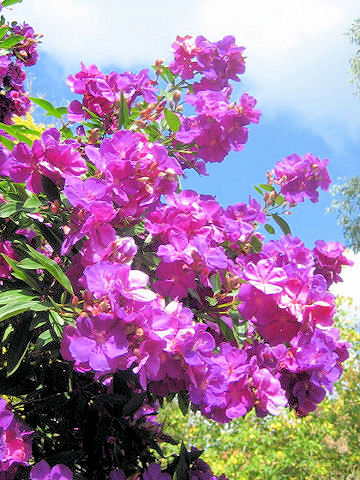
(297, 51)
(349, 287)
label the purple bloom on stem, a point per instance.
(300, 177)
(174, 279)
(269, 394)
(46, 157)
(200, 345)
(265, 276)
(117, 475)
(100, 342)
(329, 260)
(154, 472)
(84, 193)
(42, 471)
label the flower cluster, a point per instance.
(300, 177)
(102, 94)
(13, 100)
(15, 442)
(288, 303)
(329, 260)
(220, 125)
(218, 62)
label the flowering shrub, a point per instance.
(120, 290)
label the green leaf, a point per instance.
(44, 339)
(14, 132)
(32, 203)
(19, 343)
(47, 106)
(10, 208)
(279, 200)
(28, 264)
(194, 294)
(52, 267)
(11, 41)
(13, 309)
(267, 187)
(16, 296)
(258, 190)
(123, 119)
(3, 31)
(92, 114)
(226, 330)
(282, 223)
(62, 110)
(240, 328)
(20, 274)
(211, 301)
(25, 129)
(139, 228)
(183, 401)
(66, 132)
(168, 73)
(56, 323)
(215, 281)
(172, 120)
(256, 244)
(269, 229)
(7, 143)
(7, 3)
(148, 239)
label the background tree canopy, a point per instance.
(347, 195)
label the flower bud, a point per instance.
(74, 301)
(176, 96)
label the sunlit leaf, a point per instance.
(8, 3)
(11, 41)
(52, 267)
(172, 120)
(282, 224)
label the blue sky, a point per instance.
(297, 68)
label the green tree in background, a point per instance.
(354, 36)
(346, 204)
(347, 196)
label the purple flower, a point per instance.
(46, 157)
(175, 279)
(99, 342)
(200, 345)
(269, 394)
(42, 471)
(153, 472)
(329, 260)
(15, 441)
(265, 276)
